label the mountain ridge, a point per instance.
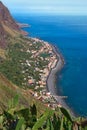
(8, 26)
(6, 17)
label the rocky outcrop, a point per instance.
(8, 22)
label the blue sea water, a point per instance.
(69, 34)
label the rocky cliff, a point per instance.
(7, 25)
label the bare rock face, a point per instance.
(6, 17)
(8, 21)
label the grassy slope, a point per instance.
(2, 53)
(10, 31)
(11, 34)
(9, 90)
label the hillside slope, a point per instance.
(8, 27)
(6, 18)
(9, 35)
(8, 90)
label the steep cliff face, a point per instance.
(6, 17)
(7, 25)
(3, 36)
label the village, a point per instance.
(35, 59)
(48, 55)
(48, 58)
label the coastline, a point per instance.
(51, 80)
(52, 74)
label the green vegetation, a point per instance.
(44, 55)
(20, 63)
(26, 119)
(23, 60)
(8, 90)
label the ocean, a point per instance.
(69, 34)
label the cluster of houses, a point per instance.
(47, 98)
(52, 61)
(51, 58)
(43, 72)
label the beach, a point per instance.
(51, 81)
(52, 74)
